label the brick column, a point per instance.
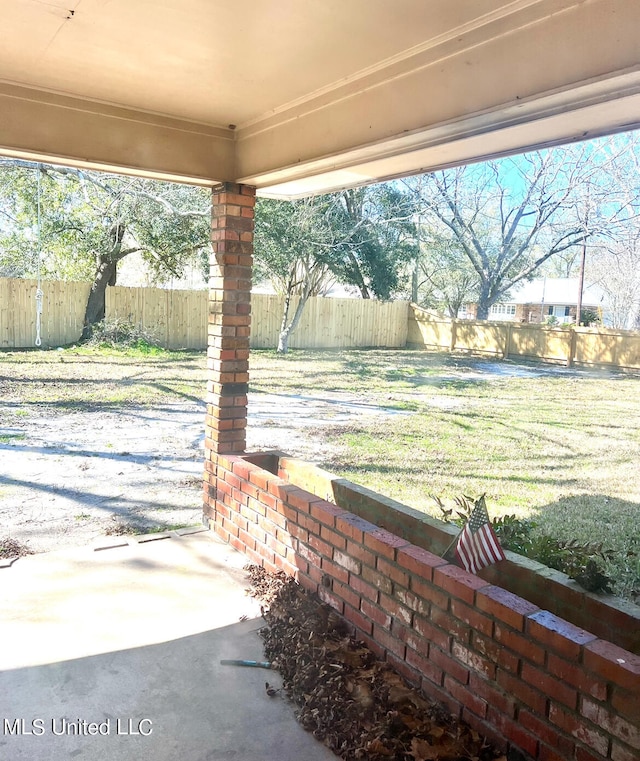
(229, 324)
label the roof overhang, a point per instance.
(297, 97)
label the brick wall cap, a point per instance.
(386, 537)
(560, 627)
(613, 661)
(282, 488)
(421, 555)
(506, 599)
(466, 578)
(357, 522)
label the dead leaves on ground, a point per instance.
(11, 548)
(356, 705)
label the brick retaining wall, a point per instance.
(519, 674)
(606, 616)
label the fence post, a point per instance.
(572, 347)
(507, 341)
(168, 312)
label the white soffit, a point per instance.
(556, 121)
(301, 96)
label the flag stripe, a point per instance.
(478, 545)
(490, 542)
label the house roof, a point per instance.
(560, 291)
(300, 96)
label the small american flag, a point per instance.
(478, 546)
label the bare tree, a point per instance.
(507, 217)
(615, 267)
(442, 276)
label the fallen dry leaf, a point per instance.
(356, 705)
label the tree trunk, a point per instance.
(484, 304)
(287, 330)
(95, 309)
(414, 283)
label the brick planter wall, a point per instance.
(606, 616)
(519, 674)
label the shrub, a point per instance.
(123, 334)
(582, 562)
(589, 317)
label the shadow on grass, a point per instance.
(597, 514)
(601, 519)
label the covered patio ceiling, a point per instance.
(305, 96)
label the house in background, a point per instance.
(543, 300)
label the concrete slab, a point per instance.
(115, 653)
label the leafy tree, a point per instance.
(376, 231)
(357, 237)
(18, 222)
(91, 221)
(290, 247)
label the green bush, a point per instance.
(582, 562)
(589, 317)
(123, 334)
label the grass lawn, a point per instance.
(87, 378)
(560, 447)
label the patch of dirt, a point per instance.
(77, 464)
(291, 422)
(356, 705)
(71, 476)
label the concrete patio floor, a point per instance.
(129, 638)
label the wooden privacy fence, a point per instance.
(178, 319)
(569, 345)
(331, 323)
(62, 312)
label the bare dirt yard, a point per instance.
(95, 443)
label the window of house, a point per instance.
(505, 309)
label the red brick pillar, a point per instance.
(229, 322)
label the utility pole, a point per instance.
(583, 259)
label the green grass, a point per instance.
(8, 438)
(89, 377)
(140, 349)
(561, 448)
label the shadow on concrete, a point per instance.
(131, 639)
